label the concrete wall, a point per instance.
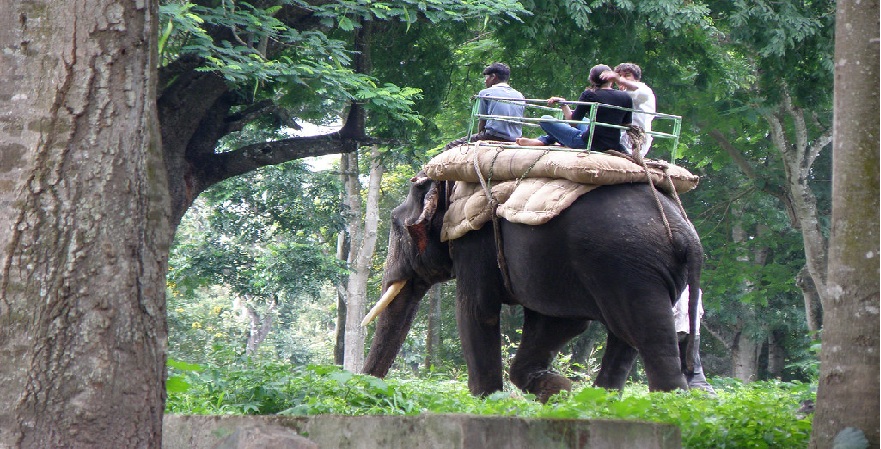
(427, 431)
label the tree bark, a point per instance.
(342, 253)
(363, 247)
(813, 312)
(848, 394)
(259, 328)
(744, 357)
(84, 226)
(776, 355)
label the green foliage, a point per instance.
(756, 415)
(263, 235)
(298, 53)
(250, 244)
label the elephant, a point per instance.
(608, 257)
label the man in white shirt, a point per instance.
(695, 379)
(628, 77)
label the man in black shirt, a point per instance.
(604, 137)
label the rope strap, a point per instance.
(497, 230)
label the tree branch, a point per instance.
(734, 154)
(214, 168)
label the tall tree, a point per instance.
(848, 395)
(84, 226)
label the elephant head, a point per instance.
(416, 260)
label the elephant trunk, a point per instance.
(392, 327)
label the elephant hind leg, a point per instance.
(616, 364)
(543, 337)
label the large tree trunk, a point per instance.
(745, 357)
(848, 394)
(84, 226)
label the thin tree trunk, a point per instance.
(813, 312)
(362, 253)
(84, 226)
(342, 253)
(848, 394)
(433, 335)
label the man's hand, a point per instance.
(609, 75)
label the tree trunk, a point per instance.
(84, 226)
(776, 354)
(813, 312)
(433, 335)
(745, 357)
(363, 246)
(583, 347)
(259, 328)
(342, 253)
(848, 394)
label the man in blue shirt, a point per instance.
(496, 79)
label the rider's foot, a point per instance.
(527, 142)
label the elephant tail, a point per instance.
(695, 261)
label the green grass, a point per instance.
(754, 415)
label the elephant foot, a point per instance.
(545, 384)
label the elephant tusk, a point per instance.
(383, 302)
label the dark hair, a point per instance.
(629, 67)
(499, 69)
(595, 72)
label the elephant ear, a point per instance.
(419, 228)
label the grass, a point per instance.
(754, 415)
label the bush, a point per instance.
(755, 415)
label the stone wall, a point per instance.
(429, 431)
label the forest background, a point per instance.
(259, 265)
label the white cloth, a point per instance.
(680, 312)
(643, 100)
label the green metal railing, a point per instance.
(590, 119)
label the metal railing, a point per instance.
(590, 118)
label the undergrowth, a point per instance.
(754, 415)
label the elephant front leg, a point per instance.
(481, 336)
(543, 337)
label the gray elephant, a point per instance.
(608, 257)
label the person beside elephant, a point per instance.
(496, 79)
(628, 77)
(604, 137)
(695, 378)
